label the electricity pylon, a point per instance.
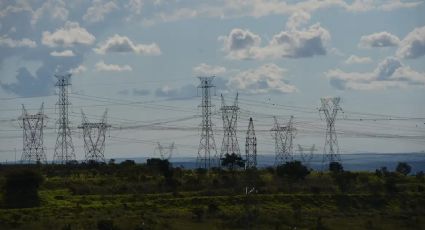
(229, 114)
(207, 152)
(283, 137)
(32, 125)
(64, 149)
(250, 146)
(330, 107)
(94, 135)
(166, 152)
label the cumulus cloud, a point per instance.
(78, 70)
(398, 4)
(65, 53)
(268, 78)
(353, 59)
(262, 8)
(413, 45)
(208, 70)
(67, 36)
(390, 73)
(135, 6)
(54, 8)
(293, 43)
(381, 39)
(301, 43)
(240, 43)
(98, 10)
(122, 44)
(5, 41)
(296, 19)
(101, 66)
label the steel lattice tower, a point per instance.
(283, 137)
(229, 114)
(94, 135)
(207, 152)
(32, 125)
(330, 107)
(165, 152)
(64, 149)
(250, 146)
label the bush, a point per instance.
(294, 170)
(21, 188)
(403, 168)
(335, 167)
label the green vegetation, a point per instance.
(157, 196)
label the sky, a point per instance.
(140, 60)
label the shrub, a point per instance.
(294, 170)
(403, 168)
(21, 188)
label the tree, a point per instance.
(403, 168)
(232, 160)
(160, 165)
(335, 167)
(294, 170)
(21, 188)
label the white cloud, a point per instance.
(381, 39)
(19, 6)
(78, 70)
(296, 19)
(98, 10)
(5, 41)
(353, 59)
(135, 6)
(67, 36)
(208, 70)
(122, 44)
(239, 44)
(398, 4)
(413, 45)
(261, 8)
(267, 78)
(294, 43)
(101, 66)
(54, 8)
(65, 53)
(390, 73)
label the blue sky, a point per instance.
(140, 59)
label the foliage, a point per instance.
(335, 167)
(158, 196)
(293, 170)
(21, 188)
(232, 160)
(403, 168)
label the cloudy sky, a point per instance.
(140, 59)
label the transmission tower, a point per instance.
(207, 152)
(330, 107)
(250, 146)
(229, 114)
(306, 157)
(166, 152)
(32, 125)
(94, 135)
(64, 149)
(283, 136)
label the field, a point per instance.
(158, 196)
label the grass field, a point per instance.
(145, 197)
